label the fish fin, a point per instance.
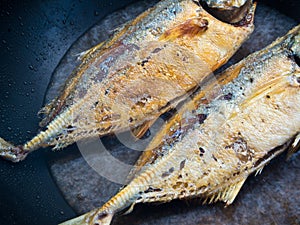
(10, 152)
(259, 170)
(190, 28)
(232, 191)
(139, 131)
(227, 195)
(295, 147)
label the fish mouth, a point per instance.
(239, 16)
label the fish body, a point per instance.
(232, 127)
(146, 68)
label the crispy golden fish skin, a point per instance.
(252, 114)
(145, 69)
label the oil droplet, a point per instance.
(96, 13)
(30, 67)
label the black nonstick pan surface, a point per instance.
(34, 36)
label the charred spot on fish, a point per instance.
(156, 50)
(106, 92)
(251, 80)
(101, 216)
(268, 96)
(201, 118)
(236, 174)
(70, 129)
(183, 192)
(214, 158)
(182, 164)
(227, 96)
(202, 150)
(141, 104)
(151, 189)
(130, 120)
(96, 103)
(171, 170)
(144, 62)
(165, 174)
(277, 107)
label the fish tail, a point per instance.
(11, 152)
(127, 197)
(43, 139)
(102, 219)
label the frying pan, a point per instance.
(34, 37)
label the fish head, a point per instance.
(225, 4)
(233, 11)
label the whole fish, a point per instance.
(231, 128)
(145, 69)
